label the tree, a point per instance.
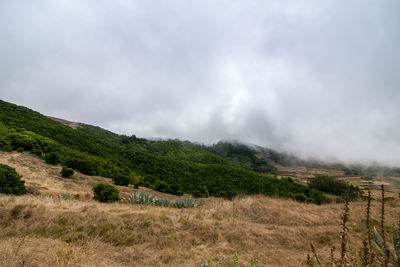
(10, 181)
(66, 172)
(105, 192)
(121, 179)
(51, 158)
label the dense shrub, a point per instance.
(10, 181)
(85, 166)
(105, 192)
(121, 179)
(66, 172)
(51, 158)
(334, 186)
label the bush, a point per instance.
(334, 186)
(51, 158)
(10, 181)
(66, 172)
(121, 179)
(85, 166)
(105, 192)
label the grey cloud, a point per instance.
(318, 78)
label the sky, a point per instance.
(316, 78)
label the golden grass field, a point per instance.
(38, 229)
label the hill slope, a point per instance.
(43, 230)
(168, 166)
(264, 160)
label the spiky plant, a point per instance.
(142, 198)
(162, 202)
(380, 240)
(67, 196)
(185, 203)
(396, 245)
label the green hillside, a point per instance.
(247, 157)
(172, 166)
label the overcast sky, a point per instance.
(318, 78)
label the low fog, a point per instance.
(316, 78)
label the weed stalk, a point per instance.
(345, 219)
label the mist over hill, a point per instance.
(219, 132)
(172, 166)
(315, 78)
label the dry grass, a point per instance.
(88, 233)
(40, 230)
(44, 179)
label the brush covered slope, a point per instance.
(168, 166)
(59, 224)
(251, 158)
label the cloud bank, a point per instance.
(317, 78)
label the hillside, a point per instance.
(264, 160)
(40, 229)
(167, 166)
(59, 224)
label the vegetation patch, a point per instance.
(66, 172)
(146, 198)
(121, 179)
(334, 186)
(10, 181)
(105, 192)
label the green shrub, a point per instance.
(121, 179)
(51, 158)
(85, 166)
(334, 186)
(66, 172)
(10, 181)
(105, 192)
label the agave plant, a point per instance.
(185, 203)
(142, 198)
(162, 202)
(66, 196)
(396, 245)
(150, 199)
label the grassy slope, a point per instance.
(172, 166)
(38, 230)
